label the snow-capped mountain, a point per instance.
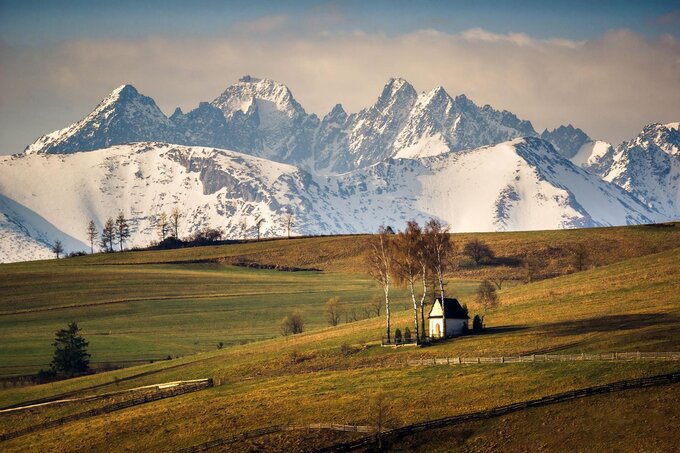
(648, 167)
(260, 117)
(567, 140)
(523, 184)
(123, 116)
(409, 155)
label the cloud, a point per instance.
(610, 86)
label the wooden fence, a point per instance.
(607, 357)
(277, 429)
(161, 393)
(373, 441)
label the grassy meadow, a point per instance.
(133, 303)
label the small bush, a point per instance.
(477, 324)
(220, 345)
(407, 334)
(397, 336)
(46, 375)
(346, 349)
(292, 324)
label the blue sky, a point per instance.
(29, 22)
(607, 67)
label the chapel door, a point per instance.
(437, 330)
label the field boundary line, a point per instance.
(147, 398)
(543, 358)
(161, 386)
(277, 429)
(372, 441)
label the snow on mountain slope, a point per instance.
(24, 235)
(648, 167)
(265, 120)
(519, 185)
(590, 153)
(123, 116)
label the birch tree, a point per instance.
(379, 262)
(92, 234)
(440, 250)
(407, 265)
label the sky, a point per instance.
(606, 67)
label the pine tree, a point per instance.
(122, 229)
(92, 234)
(108, 235)
(70, 351)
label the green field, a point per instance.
(628, 302)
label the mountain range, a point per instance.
(254, 152)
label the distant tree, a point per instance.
(162, 225)
(439, 253)
(407, 334)
(381, 410)
(288, 220)
(581, 257)
(397, 336)
(70, 351)
(108, 235)
(486, 295)
(532, 264)
(57, 248)
(175, 215)
(377, 304)
(258, 227)
(292, 324)
(367, 311)
(122, 229)
(477, 251)
(220, 345)
(206, 236)
(379, 262)
(351, 315)
(334, 309)
(243, 226)
(92, 234)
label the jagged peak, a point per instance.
(249, 79)
(396, 88)
(336, 111)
